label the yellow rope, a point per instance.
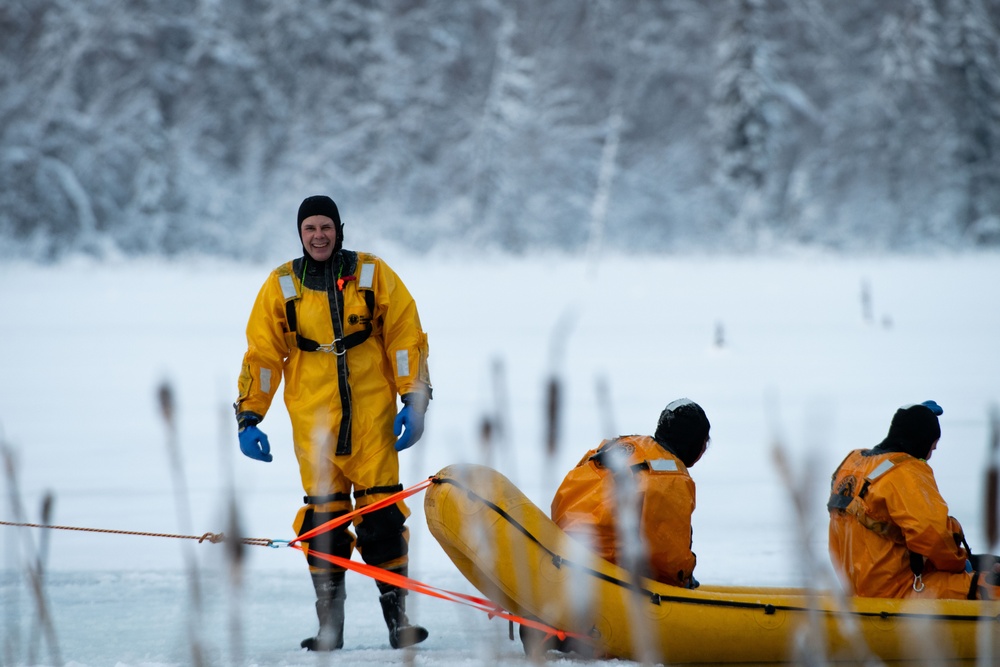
(214, 538)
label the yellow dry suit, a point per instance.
(345, 337)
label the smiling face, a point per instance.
(319, 237)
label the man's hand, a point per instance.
(410, 421)
(253, 443)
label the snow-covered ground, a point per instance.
(783, 353)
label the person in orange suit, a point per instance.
(647, 475)
(891, 535)
(630, 501)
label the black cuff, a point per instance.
(246, 419)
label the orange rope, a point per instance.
(344, 518)
(398, 580)
(377, 573)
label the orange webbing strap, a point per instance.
(344, 518)
(396, 579)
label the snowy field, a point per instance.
(784, 354)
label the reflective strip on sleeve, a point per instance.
(663, 465)
(287, 287)
(265, 380)
(367, 276)
(402, 363)
(881, 469)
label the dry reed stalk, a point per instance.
(165, 398)
(992, 480)
(985, 649)
(811, 646)
(235, 549)
(602, 390)
(43, 615)
(41, 559)
(553, 404)
(633, 556)
(492, 427)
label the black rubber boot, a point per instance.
(330, 596)
(393, 601)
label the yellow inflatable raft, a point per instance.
(518, 558)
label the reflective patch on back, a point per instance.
(287, 287)
(367, 276)
(663, 465)
(265, 380)
(402, 363)
(881, 469)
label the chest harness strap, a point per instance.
(852, 505)
(340, 343)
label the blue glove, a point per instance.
(411, 417)
(933, 407)
(254, 444)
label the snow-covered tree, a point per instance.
(140, 127)
(743, 119)
(972, 37)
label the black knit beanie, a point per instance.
(683, 429)
(914, 429)
(322, 205)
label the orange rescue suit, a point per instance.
(896, 510)
(585, 505)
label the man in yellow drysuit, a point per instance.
(630, 500)
(343, 332)
(890, 532)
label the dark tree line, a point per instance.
(131, 126)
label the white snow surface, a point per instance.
(779, 351)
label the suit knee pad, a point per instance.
(382, 536)
(337, 542)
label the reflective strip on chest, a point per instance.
(287, 287)
(881, 469)
(367, 276)
(663, 465)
